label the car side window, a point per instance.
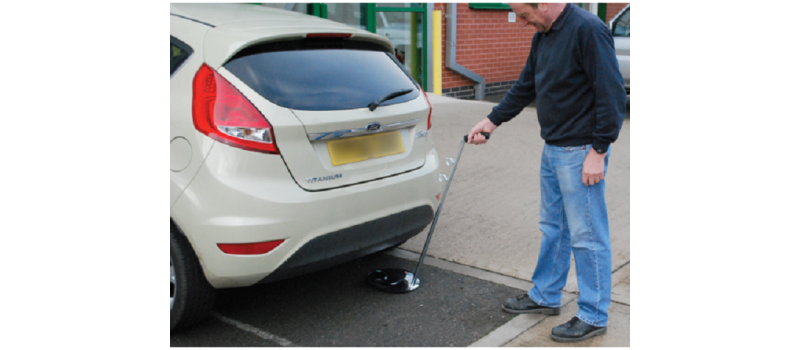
(622, 26)
(178, 53)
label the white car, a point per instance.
(296, 143)
(620, 27)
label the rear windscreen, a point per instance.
(316, 76)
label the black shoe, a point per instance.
(575, 331)
(523, 304)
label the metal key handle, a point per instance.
(401, 281)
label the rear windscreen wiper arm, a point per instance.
(387, 97)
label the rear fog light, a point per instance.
(249, 248)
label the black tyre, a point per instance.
(191, 297)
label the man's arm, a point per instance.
(600, 65)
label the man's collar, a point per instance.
(559, 22)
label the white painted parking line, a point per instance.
(254, 330)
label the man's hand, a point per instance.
(475, 136)
(593, 168)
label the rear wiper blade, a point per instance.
(387, 97)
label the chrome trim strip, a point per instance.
(358, 132)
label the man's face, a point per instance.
(530, 16)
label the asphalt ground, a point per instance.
(336, 307)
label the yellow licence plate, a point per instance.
(360, 148)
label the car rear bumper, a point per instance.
(248, 197)
(353, 242)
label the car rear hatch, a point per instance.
(328, 81)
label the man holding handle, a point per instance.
(573, 75)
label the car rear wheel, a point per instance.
(191, 297)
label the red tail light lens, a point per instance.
(220, 111)
(429, 112)
(249, 248)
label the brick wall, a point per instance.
(613, 9)
(487, 45)
(490, 46)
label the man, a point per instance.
(573, 75)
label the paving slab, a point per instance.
(621, 282)
(619, 330)
(622, 293)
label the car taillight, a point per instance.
(431, 106)
(221, 112)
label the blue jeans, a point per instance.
(574, 220)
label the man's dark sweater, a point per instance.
(573, 75)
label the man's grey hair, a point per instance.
(536, 5)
